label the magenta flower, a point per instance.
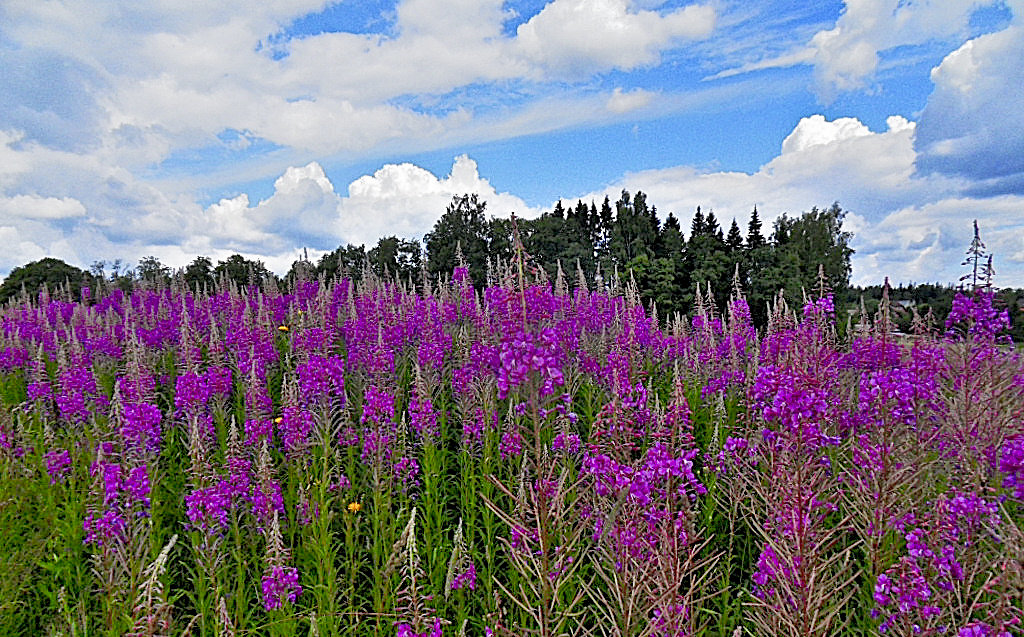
(208, 508)
(58, 465)
(406, 630)
(466, 579)
(140, 427)
(280, 585)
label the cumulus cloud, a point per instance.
(35, 207)
(819, 162)
(817, 131)
(406, 200)
(301, 212)
(847, 56)
(973, 125)
(403, 200)
(136, 83)
(581, 36)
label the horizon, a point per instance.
(272, 128)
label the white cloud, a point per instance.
(793, 58)
(927, 242)
(624, 101)
(12, 162)
(149, 79)
(17, 249)
(821, 161)
(452, 19)
(817, 131)
(406, 200)
(580, 36)
(973, 123)
(35, 207)
(305, 211)
(847, 56)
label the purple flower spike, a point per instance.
(58, 465)
(141, 427)
(280, 585)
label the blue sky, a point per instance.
(130, 129)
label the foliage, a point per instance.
(243, 272)
(49, 273)
(462, 229)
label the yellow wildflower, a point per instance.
(354, 507)
(283, 328)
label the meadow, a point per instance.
(533, 458)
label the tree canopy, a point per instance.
(49, 272)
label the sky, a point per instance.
(273, 127)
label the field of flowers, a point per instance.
(527, 460)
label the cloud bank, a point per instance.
(304, 212)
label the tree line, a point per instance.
(624, 239)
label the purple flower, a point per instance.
(883, 588)
(265, 499)
(218, 380)
(378, 407)
(295, 426)
(140, 427)
(406, 630)
(208, 508)
(406, 471)
(466, 579)
(525, 354)
(280, 585)
(78, 393)
(103, 529)
(1011, 464)
(423, 419)
(191, 393)
(257, 430)
(977, 314)
(320, 378)
(137, 485)
(570, 443)
(58, 465)
(511, 445)
(39, 391)
(110, 473)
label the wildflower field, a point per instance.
(529, 459)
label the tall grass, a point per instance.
(524, 460)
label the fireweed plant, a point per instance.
(530, 458)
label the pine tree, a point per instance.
(979, 261)
(697, 226)
(711, 225)
(754, 237)
(734, 240)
